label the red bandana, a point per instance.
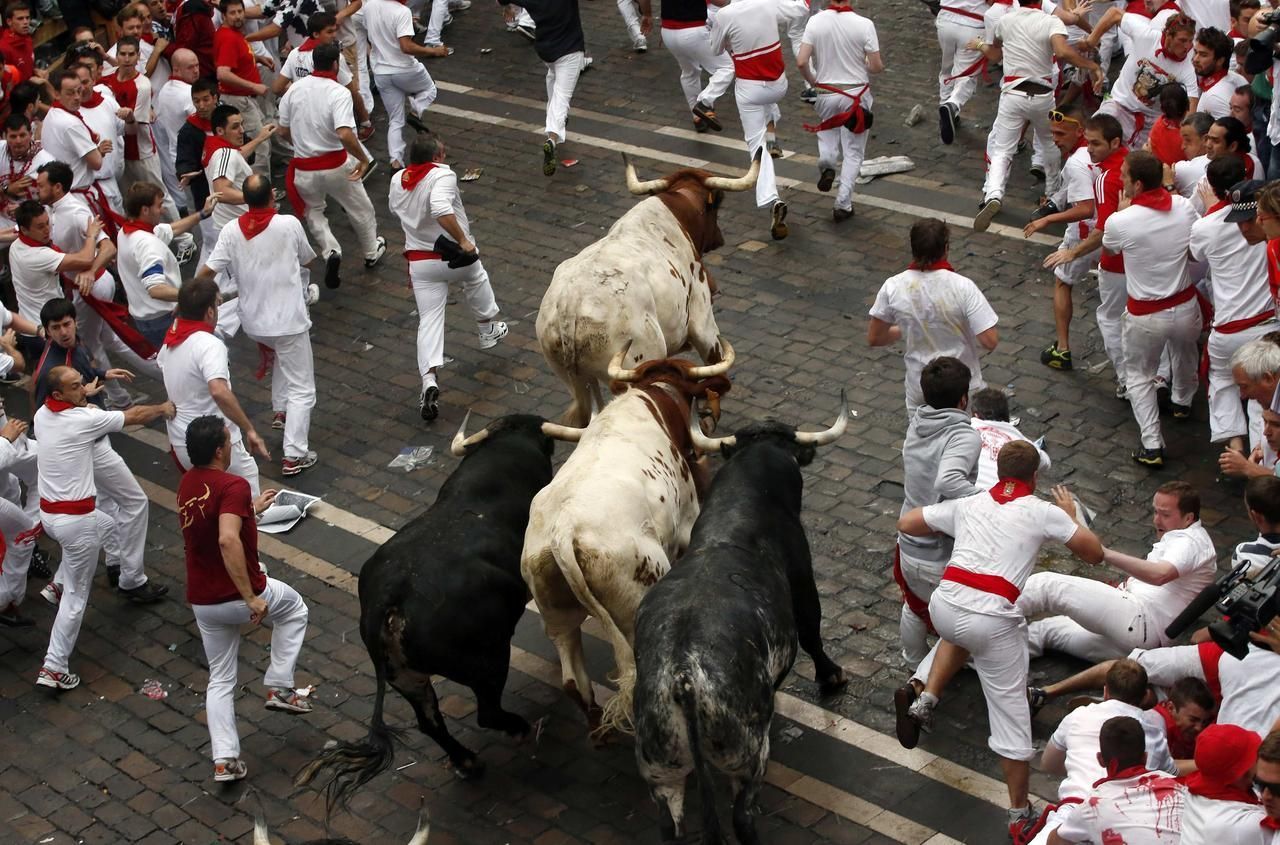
(944, 264)
(131, 226)
(308, 45)
(92, 101)
(1217, 206)
(326, 74)
(1157, 198)
(57, 405)
(1122, 774)
(201, 123)
(1198, 784)
(1207, 82)
(183, 329)
(32, 242)
(415, 173)
(212, 144)
(255, 221)
(1008, 489)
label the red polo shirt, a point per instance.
(18, 52)
(203, 496)
(231, 50)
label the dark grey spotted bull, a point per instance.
(715, 638)
(444, 595)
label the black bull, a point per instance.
(715, 638)
(443, 597)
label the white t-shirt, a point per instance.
(65, 138)
(1209, 822)
(841, 42)
(301, 63)
(70, 217)
(173, 107)
(940, 313)
(1238, 268)
(1078, 174)
(1137, 89)
(386, 22)
(102, 119)
(1217, 100)
(436, 195)
(145, 262)
(995, 434)
(1145, 809)
(1155, 247)
(35, 277)
(748, 32)
(188, 368)
(1191, 552)
(976, 9)
(268, 271)
(64, 451)
(1078, 733)
(1187, 175)
(995, 539)
(227, 163)
(314, 109)
(1026, 35)
(1249, 695)
(160, 78)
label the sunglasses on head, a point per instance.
(1263, 786)
(1058, 117)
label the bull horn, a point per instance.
(616, 371)
(705, 444)
(461, 442)
(742, 183)
(822, 438)
(641, 189)
(260, 835)
(424, 827)
(719, 368)
(567, 433)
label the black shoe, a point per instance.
(709, 115)
(841, 214)
(1153, 458)
(40, 565)
(331, 265)
(113, 576)
(148, 593)
(907, 728)
(549, 158)
(1037, 698)
(11, 618)
(947, 122)
(809, 95)
(699, 125)
(827, 177)
(1164, 397)
(1055, 358)
(429, 403)
(1180, 412)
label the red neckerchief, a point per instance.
(1207, 82)
(255, 221)
(57, 405)
(93, 136)
(326, 74)
(183, 329)
(1269, 823)
(308, 45)
(1137, 7)
(150, 38)
(415, 173)
(212, 144)
(1217, 206)
(1167, 6)
(1164, 43)
(14, 172)
(1008, 489)
(32, 242)
(1113, 161)
(1198, 784)
(1234, 33)
(1157, 198)
(942, 264)
(94, 99)
(1248, 164)
(840, 9)
(201, 123)
(1122, 774)
(131, 226)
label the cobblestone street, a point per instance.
(106, 764)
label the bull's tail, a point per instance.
(356, 763)
(687, 698)
(617, 711)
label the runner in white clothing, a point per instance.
(1221, 806)
(267, 254)
(684, 34)
(173, 106)
(838, 54)
(748, 31)
(989, 409)
(1098, 621)
(959, 23)
(1211, 59)
(439, 248)
(316, 116)
(998, 535)
(71, 433)
(66, 136)
(397, 72)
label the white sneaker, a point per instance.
(51, 593)
(377, 256)
(492, 334)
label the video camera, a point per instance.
(1262, 48)
(1247, 605)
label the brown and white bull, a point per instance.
(616, 515)
(643, 282)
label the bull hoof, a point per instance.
(833, 683)
(469, 768)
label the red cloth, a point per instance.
(1210, 655)
(1207, 82)
(914, 603)
(327, 161)
(19, 53)
(231, 50)
(944, 264)
(993, 584)
(1157, 199)
(415, 173)
(1112, 185)
(203, 124)
(193, 29)
(1273, 268)
(1166, 141)
(203, 496)
(255, 221)
(131, 226)
(74, 507)
(183, 329)
(1224, 754)
(1008, 489)
(212, 144)
(126, 93)
(838, 120)
(1142, 307)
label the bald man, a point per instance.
(173, 107)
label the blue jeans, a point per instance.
(154, 328)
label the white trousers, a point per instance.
(317, 186)
(758, 106)
(953, 38)
(841, 147)
(1167, 665)
(20, 535)
(1145, 339)
(220, 626)
(1073, 271)
(242, 463)
(1015, 111)
(252, 110)
(1093, 621)
(630, 11)
(1112, 296)
(692, 50)
(430, 280)
(1227, 416)
(121, 498)
(293, 387)
(435, 23)
(357, 56)
(562, 78)
(80, 536)
(998, 648)
(23, 468)
(413, 84)
(1135, 135)
(922, 578)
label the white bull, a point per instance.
(643, 282)
(616, 515)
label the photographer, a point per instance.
(1264, 28)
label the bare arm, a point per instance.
(9, 345)
(880, 333)
(1108, 21)
(271, 30)
(449, 223)
(82, 259)
(227, 192)
(1078, 211)
(412, 48)
(875, 63)
(229, 525)
(1065, 256)
(352, 145)
(189, 222)
(93, 159)
(989, 338)
(230, 407)
(912, 522)
(268, 129)
(1054, 760)
(143, 414)
(802, 61)
(280, 84)
(1157, 572)
(225, 75)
